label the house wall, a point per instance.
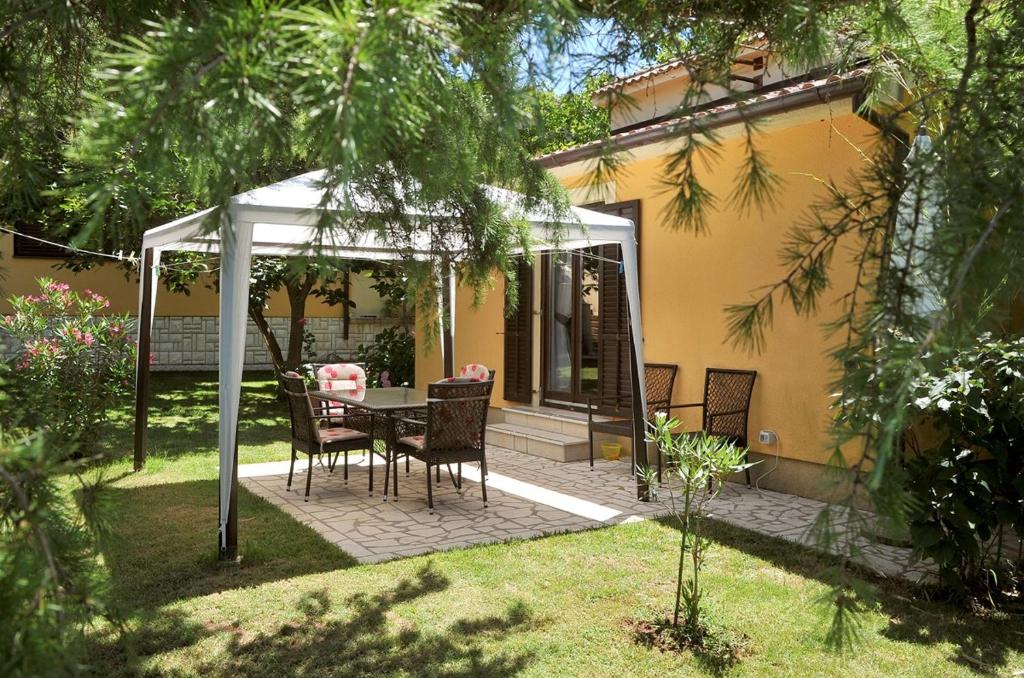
(687, 280)
(663, 94)
(185, 332)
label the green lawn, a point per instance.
(552, 606)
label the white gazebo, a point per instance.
(283, 219)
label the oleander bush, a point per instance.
(74, 363)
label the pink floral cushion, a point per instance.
(412, 441)
(345, 377)
(475, 371)
(338, 433)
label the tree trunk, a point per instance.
(298, 291)
(274, 348)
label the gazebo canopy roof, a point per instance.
(286, 215)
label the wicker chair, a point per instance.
(452, 433)
(726, 405)
(659, 380)
(310, 437)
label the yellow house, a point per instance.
(810, 131)
(185, 326)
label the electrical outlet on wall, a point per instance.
(767, 437)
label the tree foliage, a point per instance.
(965, 472)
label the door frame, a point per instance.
(562, 399)
(568, 399)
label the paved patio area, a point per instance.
(528, 496)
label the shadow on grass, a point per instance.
(366, 639)
(361, 636)
(183, 415)
(163, 546)
(982, 643)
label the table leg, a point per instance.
(373, 448)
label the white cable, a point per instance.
(120, 256)
(778, 452)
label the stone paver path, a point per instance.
(527, 497)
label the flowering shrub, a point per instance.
(73, 362)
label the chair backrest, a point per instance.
(659, 380)
(727, 403)
(300, 410)
(349, 378)
(457, 415)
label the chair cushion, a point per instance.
(416, 442)
(345, 377)
(338, 434)
(292, 374)
(475, 371)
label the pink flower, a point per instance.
(152, 359)
(116, 329)
(87, 339)
(302, 322)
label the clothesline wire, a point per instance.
(131, 258)
(120, 256)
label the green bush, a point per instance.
(967, 481)
(49, 576)
(73, 362)
(391, 358)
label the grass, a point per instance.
(557, 606)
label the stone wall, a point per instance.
(191, 342)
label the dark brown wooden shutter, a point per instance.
(519, 340)
(614, 358)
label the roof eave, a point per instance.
(800, 99)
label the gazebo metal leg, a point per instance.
(387, 476)
(346, 467)
(438, 475)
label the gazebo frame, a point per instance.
(282, 220)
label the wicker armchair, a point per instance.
(726, 405)
(659, 380)
(453, 431)
(310, 437)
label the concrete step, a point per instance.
(537, 441)
(550, 419)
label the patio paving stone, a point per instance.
(528, 497)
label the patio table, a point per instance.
(385, 405)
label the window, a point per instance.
(27, 247)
